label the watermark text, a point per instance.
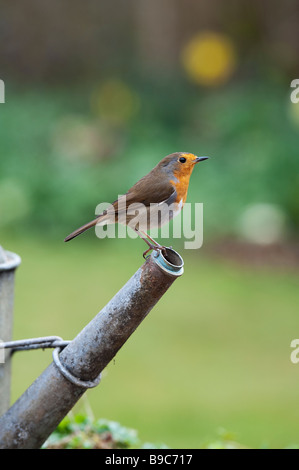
(132, 220)
(2, 91)
(295, 354)
(295, 93)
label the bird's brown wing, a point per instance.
(152, 190)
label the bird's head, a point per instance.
(180, 164)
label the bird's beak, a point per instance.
(200, 159)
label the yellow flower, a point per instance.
(209, 58)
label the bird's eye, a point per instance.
(182, 159)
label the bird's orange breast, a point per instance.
(181, 184)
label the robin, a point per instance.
(165, 186)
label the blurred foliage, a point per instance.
(102, 94)
(82, 432)
(66, 150)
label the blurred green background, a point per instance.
(96, 94)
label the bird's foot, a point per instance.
(155, 248)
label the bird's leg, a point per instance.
(152, 246)
(151, 239)
(160, 247)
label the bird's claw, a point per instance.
(155, 248)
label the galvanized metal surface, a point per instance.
(35, 343)
(8, 263)
(29, 422)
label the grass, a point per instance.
(214, 353)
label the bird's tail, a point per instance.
(81, 229)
